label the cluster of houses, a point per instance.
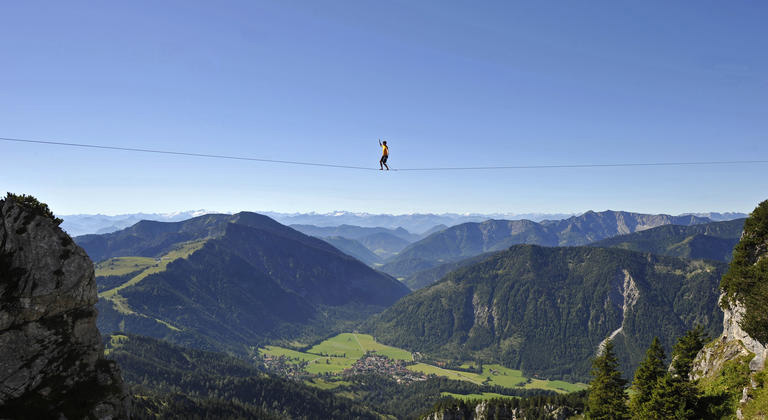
(285, 367)
(372, 363)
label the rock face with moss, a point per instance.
(51, 355)
(732, 344)
(741, 349)
(743, 301)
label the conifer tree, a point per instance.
(672, 398)
(686, 349)
(674, 395)
(646, 376)
(607, 399)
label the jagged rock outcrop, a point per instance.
(482, 411)
(742, 283)
(51, 355)
(496, 409)
(734, 342)
(743, 289)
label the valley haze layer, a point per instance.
(83, 224)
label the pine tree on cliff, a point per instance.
(607, 399)
(646, 376)
(746, 282)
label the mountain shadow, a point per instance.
(230, 282)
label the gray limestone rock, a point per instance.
(51, 355)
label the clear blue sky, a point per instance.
(447, 83)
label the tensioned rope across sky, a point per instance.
(364, 168)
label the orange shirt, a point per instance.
(385, 150)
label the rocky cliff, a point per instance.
(500, 409)
(51, 355)
(742, 345)
(733, 343)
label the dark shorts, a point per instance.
(384, 158)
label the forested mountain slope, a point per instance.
(235, 281)
(353, 248)
(424, 278)
(714, 241)
(174, 381)
(354, 232)
(152, 239)
(546, 310)
(470, 239)
(383, 242)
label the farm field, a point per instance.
(468, 397)
(450, 374)
(337, 353)
(355, 345)
(322, 384)
(558, 386)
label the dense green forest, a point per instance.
(171, 380)
(545, 310)
(424, 278)
(168, 380)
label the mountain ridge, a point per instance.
(707, 240)
(470, 239)
(249, 278)
(420, 223)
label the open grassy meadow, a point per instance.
(126, 265)
(355, 345)
(558, 386)
(468, 397)
(120, 266)
(341, 351)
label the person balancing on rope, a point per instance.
(384, 155)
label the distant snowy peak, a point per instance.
(183, 215)
(416, 223)
(83, 224)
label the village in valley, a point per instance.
(370, 363)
